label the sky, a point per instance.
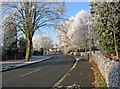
(72, 9)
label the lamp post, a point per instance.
(89, 36)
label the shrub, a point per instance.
(40, 52)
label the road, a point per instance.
(43, 74)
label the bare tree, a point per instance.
(42, 42)
(32, 16)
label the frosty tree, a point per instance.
(32, 16)
(9, 33)
(75, 31)
(63, 28)
(42, 41)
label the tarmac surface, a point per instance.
(77, 73)
(80, 76)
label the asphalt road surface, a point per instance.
(43, 74)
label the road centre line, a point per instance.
(34, 71)
(30, 72)
(49, 65)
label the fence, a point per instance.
(11, 56)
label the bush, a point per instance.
(40, 52)
(22, 44)
(78, 50)
(69, 51)
(82, 50)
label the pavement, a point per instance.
(81, 76)
(13, 64)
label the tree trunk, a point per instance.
(90, 51)
(28, 49)
(15, 56)
(115, 41)
(93, 46)
(6, 57)
(85, 48)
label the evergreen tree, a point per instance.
(9, 34)
(106, 25)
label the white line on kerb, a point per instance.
(30, 72)
(61, 79)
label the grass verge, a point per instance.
(100, 81)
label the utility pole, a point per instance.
(89, 36)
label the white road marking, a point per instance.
(34, 71)
(30, 72)
(49, 65)
(68, 73)
(75, 63)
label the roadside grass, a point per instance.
(99, 81)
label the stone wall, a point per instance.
(109, 69)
